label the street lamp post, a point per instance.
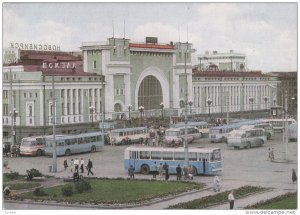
(129, 109)
(92, 108)
(141, 108)
(162, 111)
(266, 100)
(190, 104)
(251, 100)
(14, 113)
(209, 102)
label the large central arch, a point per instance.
(150, 93)
(146, 95)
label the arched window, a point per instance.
(150, 93)
(118, 107)
(181, 104)
(30, 110)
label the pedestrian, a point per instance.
(294, 176)
(217, 186)
(231, 199)
(272, 154)
(155, 168)
(72, 165)
(65, 164)
(76, 164)
(5, 164)
(269, 155)
(166, 168)
(89, 167)
(131, 172)
(178, 172)
(191, 172)
(82, 165)
(160, 170)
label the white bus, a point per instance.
(279, 124)
(73, 144)
(144, 159)
(176, 136)
(33, 146)
(124, 136)
(246, 138)
(269, 131)
(202, 126)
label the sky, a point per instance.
(265, 32)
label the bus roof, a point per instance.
(239, 124)
(180, 124)
(128, 129)
(166, 149)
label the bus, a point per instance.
(144, 159)
(202, 127)
(73, 144)
(292, 132)
(278, 124)
(268, 129)
(176, 136)
(124, 136)
(246, 137)
(33, 146)
(220, 133)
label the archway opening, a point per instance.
(150, 93)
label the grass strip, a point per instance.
(117, 191)
(22, 185)
(219, 198)
(286, 201)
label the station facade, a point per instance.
(116, 78)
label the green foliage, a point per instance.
(67, 190)
(11, 175)
(217, 199)
(20, 186)
(33, 173)
(286, 201)
(83, 186)
(39, 191)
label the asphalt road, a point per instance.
(240, 167)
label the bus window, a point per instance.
(67, 142)
(192, 156)
(99, 138)
(167, 155)
(156, 155)
(205, 156)
(179, 155)
(133, 155)
(93, 139)
(87, 139)
(80, 140)
(144, 155)
(73, 141)
(121, 134)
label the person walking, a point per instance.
(155, 170)
(272, 154)
(269, 155)
(160, 170)
(131, 172)
(217, 186)
(89, 167)
(178, 172)
(65, 164)
(76, 164)
(166, 168)
(231, 199)
(72, 165)
(294, 176)
(82, 165)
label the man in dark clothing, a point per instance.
(166, 168)
(178, 172)
(89, 167)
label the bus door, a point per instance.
(205, 159)
(134, 155)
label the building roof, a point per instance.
(227, 73)
(48, 55)
(151, 46)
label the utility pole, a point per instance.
(285, 126)
(103, 100)
(54, 165)
(11, 110)
(186, 150)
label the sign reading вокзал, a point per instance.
(32, 46)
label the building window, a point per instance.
(24, 95)
(5, 109)
(68, 108)
(5, 94)
(36, 95)
(30, 95)
(15, 76)
(68, 93)
(30, 111)
(79, 108)
(51, 94)
(90, 92)
(73, 107)
(94, 64)
(30, 121)
(62, 108)
(62, 93)
(96, 92)
(5, 76)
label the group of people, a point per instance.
(78, 164)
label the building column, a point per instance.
(66, 102)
